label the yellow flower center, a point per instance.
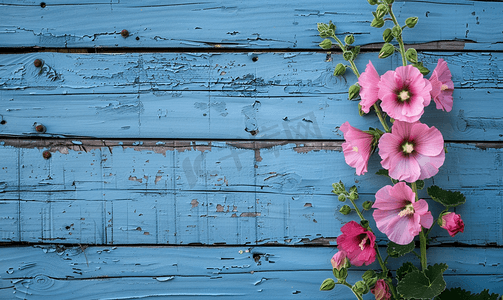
(444, 87)
(355, 149)
(408, 210)
(363, 243)
(407, 148)
(404, 95)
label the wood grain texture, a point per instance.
(238, 24)
(201, 272)
(224, 96)
(218, 192)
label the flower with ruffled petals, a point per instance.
(399, 215)
(404, 93)
(339, 260)
(442, 86)
(358, 243)
(452, 223)
(368, 82)
(381, 290)
(357, 147)
(412, 151)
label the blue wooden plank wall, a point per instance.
(194, 158)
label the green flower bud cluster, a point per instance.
(342, 195)
(360, 288)
(370, 278)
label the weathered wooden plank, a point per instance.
(281, 24)
(266, 272)
(224, 96)
(233, 192)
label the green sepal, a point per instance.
(327, 285)
(395, 250)
(386, 50)
(370, 278)
(360, 287)
(423, 285)
(367, 205)
(326, 44)
(446, 198)
(341, 198)
(341, 274)
(372, 2)
(411, 22)
(421, 68)
(338, 188)
(354, 91)
(381, 11)
(377, 23)
(340, 69)
(349, 39)
(355, 50)
(326, 30)
(396, 31)
(347, 55)
(365, 224)
(345, 210)
(387, 36)
(360, 110)
(411, 55)
(353, 193)
(420, 184)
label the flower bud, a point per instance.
(387, 36)
(370, 278)
(396, 31)
(349, 39)
(381, 290)
(386, 50)
(354, 91)
(341, 274)
(381, 10)
(348, 55)
(345, 210)
(367, 205)
(360, 110)
(452, 223)
(340, 260)
(326, 30)
(411, 22)
(389, 1)
(377, 23)
(327, 285)
(353, 195)
(326, 44)
(340, 69)
(421, 68)
(360, 288)
(372, 2)
(338, 188)
(411, 55)
(342, 198)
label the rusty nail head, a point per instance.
(38, 63)
(46, 154)
(40, 128)
(125, 33)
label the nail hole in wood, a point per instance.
(3, 122)
(254, 59)
(42, 4)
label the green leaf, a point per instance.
(460, 294)
(396, 250)
(446, 198)
(405, 269)
(420, 184)
(419, 285)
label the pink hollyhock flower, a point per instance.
(357, 147)
(381, 290)
(412, 151)
(339, 260)
(442, 86)
(358, 243)
(369, 88)
(399, 215)
(404, 93)
(452, 223)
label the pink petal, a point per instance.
(403, 230)
(387, 199)
(428, 141)
(420, 207)
(429, 164)
(384, 218)
(426, 220)
(369, 83)
(404, 168)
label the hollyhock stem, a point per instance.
(422, 236)
(398, 39)
(379, 115)
(351, 288)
